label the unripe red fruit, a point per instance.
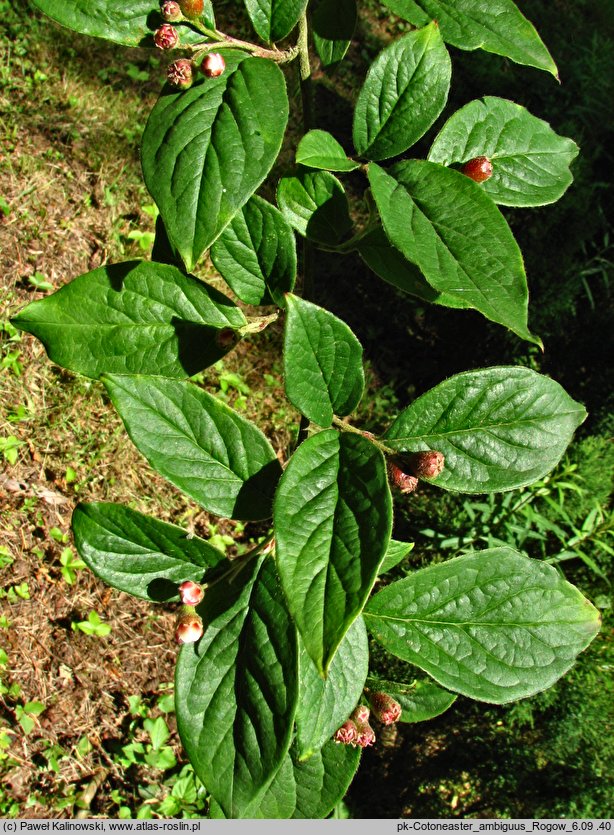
(366, 735)
(213, 65)
(192, 9)
(478, 169)
(385, 709)
(404, 482)
(189, 629)
(191, 593)
(360, 714)
(426, 464)
(170, 11)
(347, 733)
(180, 73)
(166, 37)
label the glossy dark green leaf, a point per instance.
(396, 552)
(322, 362)
(388, 263)
(207, 149)
(499, 428)
(530, 161)
(320, 149)
(256, 254)
(405, 91)
(420, 700)
(199, 444)
(332, 517)
(496, 26)
(131, 24)
(493, 625)
(138, 318)
(274, 19)
(314, 203)
(236, 689)
(139, 554)
(310, 789)
(325, 704)
(444, 223)
(332, 27)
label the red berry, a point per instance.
(213, 65)
(478, 169)
(191, 593)
(360, 714)
(426, 464)
(192, 9)
(166, 37)
(170, 11)
(366, 735)
(180, 73)
(385, 709)
(405, 482)
(189, 629)
(347, 733)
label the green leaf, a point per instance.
(314, 203)
(274, 19)
(493, 625)
(396, 552)
(499, 428)
(131, 24)
(420, 700)
(332, 26)
(325, 704)
(139, 554)
(138, 317)
(237, 688)
(207, 149)
(199, 444)
(388, 263)
(158, 732)
(322, 362)
(496, 26)
(530, 161)
(34, 708)
(405, 91)
(320, 149)
(332, 518)
(444, 223)
(256, 254)
(310, 789)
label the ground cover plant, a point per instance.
(332, 506)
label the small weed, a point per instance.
(25, 713)
(39, 281)
(9, 448)
(6, 558)
(92, 626)
(20, 591)
(70, 565)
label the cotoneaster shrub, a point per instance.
(273, 695)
